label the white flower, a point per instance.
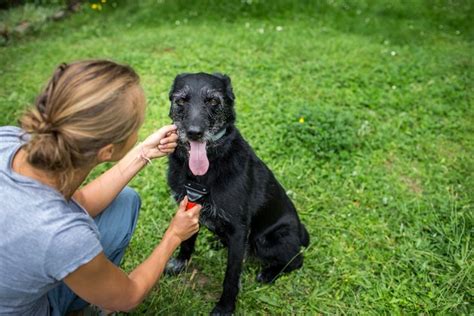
(279, 28)
(261, 30)
(393, 53)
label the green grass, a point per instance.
(381, 170)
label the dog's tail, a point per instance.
(304, 236)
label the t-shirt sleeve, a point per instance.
(11, 134)
(73, 246)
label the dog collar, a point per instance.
(219, 135)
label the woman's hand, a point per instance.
(185, 223)
(161, 142)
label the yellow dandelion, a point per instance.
(301, 120)
(103, 1)
(94, 6)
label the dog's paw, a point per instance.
(175, 266)
(266, 276)
(219, 310)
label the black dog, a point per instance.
(246, 206)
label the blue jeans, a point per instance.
(116, 225)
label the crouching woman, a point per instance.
(61, 243)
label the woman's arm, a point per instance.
(99, 193)
(101, 283)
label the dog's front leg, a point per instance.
(177, 265)
(235, 257)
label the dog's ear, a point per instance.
(228, 85)
(173, 86)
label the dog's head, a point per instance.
(202, 107)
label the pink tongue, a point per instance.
(198, 162)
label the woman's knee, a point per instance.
(127, 204)
(131, 198)
(118, 221)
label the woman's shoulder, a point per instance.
(11, 137)
(10, 131)
(11, 134)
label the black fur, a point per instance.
(246, 208)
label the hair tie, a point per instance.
(45, 128)
(43, 99)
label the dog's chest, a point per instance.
(213, 217)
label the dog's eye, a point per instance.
(213, 102)
(180, 102)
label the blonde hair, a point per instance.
(85, 106)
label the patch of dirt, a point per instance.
(196, 280)
(389, 162)
(412, 184)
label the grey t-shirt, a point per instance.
(43, 237)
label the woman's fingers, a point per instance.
(167, 129)
(164, 133)
(183, 203)
(162, 142)
(173, 138)
(168, 146)
(195, 211)
(166, 151)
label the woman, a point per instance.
(61, 244)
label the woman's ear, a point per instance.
(106, 153)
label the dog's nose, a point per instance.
(194, 133)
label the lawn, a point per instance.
(362, 109)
